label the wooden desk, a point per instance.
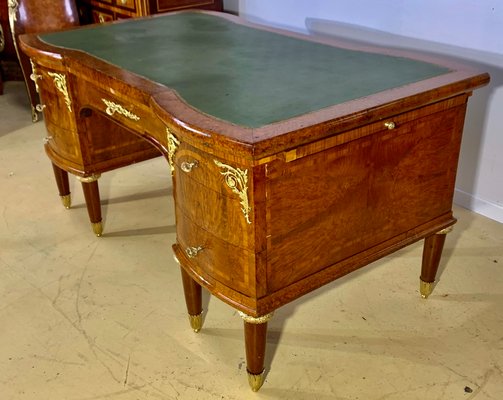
(295, 161)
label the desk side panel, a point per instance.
(335, 204)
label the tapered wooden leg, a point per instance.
(63, 186)
(432, 251)
(193, 299)
(255, 329)
(92, 197)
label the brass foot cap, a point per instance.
(256, 380)
(425, 288)
(97, 228)
(196, 322)
(66, 200)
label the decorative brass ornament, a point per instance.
(390, 125)
(13, 7)
(173, 144)
(89, 179)
(237, 180)
(445, 231)
(2, 39)
(113, 108)
(192, 252)
(60, 83)
(34, 76)
(256, 320)
(188, 166)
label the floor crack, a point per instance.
(127, 370)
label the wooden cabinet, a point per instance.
(94, 11)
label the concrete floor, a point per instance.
(104, 318)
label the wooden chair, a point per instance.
(37, 16)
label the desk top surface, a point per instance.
(243, 75)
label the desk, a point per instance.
(294, 160)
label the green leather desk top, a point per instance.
(242, 75)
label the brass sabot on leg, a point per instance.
(97, 228)
(66, 200)
(425, 288)
(256, 380)
(196, 322)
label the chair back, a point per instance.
(38, 16)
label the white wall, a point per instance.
(471, 30)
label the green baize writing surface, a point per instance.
(246, 76)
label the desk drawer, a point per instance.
(219, 212)
(128, 4)
(58, 111)
(120, 109)
(332, 204)
(210, 256)
(215, 194)
(101, 16)
(204, 168)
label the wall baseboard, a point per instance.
(480, 206)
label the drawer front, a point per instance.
(219, 212)
(119, 16)
(119, 109)
(127, 4)
(333, 204)
(100, 16)
(54, 90)
(208, 170)
(215, 193)
(210, 256)
(117, 127)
